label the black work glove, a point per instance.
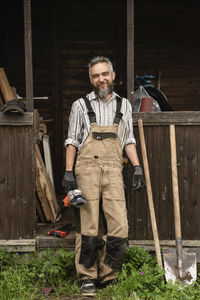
(138, 179)
(69, 181)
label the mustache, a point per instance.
(103, 82)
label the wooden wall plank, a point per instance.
(29, 205)
(197, 183)
(16, 119)
(190, 198)
(166, 118)
(4, 184)
(163, 184)
(22, 245)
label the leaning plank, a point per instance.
(14, 92)
(45, 183)
(40, 212)
(43, 200)
(23, 245)
(1, 102)
(47, 158)
(5, 86)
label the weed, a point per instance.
(23, 276)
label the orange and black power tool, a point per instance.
(73, 198)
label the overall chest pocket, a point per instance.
(104, 135)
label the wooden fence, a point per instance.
(17, 177)
(156, 130)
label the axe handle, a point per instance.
(149, 194)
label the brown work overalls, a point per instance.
(99, 174)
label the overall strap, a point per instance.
(118, 114)
(91, 114)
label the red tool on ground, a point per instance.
(57, 233)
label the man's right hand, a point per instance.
(69, 181)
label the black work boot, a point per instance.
(88, 287)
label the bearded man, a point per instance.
(100, 128)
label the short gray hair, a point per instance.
(100, 59)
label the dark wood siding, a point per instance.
(17, 182)
(166, 39)
(66, 35)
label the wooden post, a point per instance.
(28, 54)
(130, 50)
(57, 96)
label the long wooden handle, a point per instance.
(149, 194)
(177, 218)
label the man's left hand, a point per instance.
(138, 179)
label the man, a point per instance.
(100, 127)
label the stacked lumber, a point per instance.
(46, 202)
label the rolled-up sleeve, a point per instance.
(129, 135)
(75, 125)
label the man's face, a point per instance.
(101, 78)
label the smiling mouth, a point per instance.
(103, 85)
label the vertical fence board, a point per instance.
(4, 185)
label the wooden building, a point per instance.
(65, 36)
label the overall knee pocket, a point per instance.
(115, 251)
(89, 246)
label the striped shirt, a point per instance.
(79, 123)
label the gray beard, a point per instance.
(103, 93)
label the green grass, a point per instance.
(24, 276)
(141, 277)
